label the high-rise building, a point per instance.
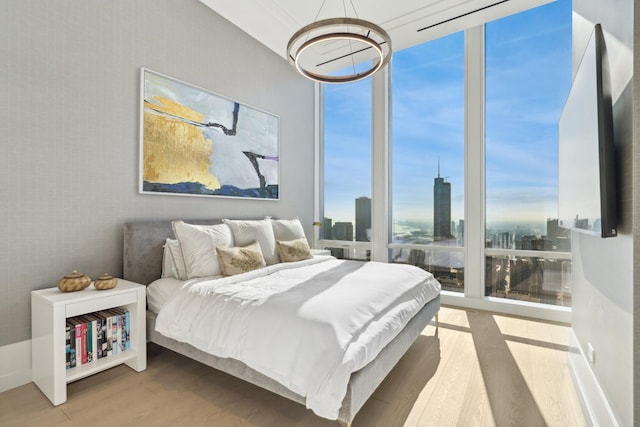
(560, 237)
(416, 257)
(363, 219)
(343, 231)
(327, 228)
(441, 208)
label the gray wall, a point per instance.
(602, 271)
(69, 107)
(636, 223)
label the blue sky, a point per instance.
(528, 75)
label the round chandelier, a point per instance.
(339, 50)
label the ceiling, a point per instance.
(408, 22)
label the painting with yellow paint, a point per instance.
(195, 142)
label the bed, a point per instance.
(142, 263)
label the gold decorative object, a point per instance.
(74, 282)
(104, 282)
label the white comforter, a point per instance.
(307, 325)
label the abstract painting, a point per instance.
(194, 142)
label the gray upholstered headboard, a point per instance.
(143, 241)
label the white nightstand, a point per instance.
(49, 310)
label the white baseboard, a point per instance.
(15, 365)
(594, 402)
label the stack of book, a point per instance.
(96, 335)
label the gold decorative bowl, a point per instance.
(74, 282)
(105, 282)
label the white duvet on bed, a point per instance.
(160, 290)
(307, 325)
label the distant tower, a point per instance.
(441, 208)
(363, 218)
(327, 228)
(343, 231)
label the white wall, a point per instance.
(602, 270)
(69, 100)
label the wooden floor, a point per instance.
(480, 369)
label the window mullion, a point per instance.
(318, 164)
(380, 163)
(474, 158)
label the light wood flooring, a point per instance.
(480, 369)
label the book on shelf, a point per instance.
(103, 327)
(105, 332)
(71, 343)
(111, 321)
(87, 339)
(93, 336)
(123, 328)
(103, 335)
(127, 330)
(67, 336)
(76, 337)
(114, 331)
(83, 341)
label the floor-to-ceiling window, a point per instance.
(428, 159)
(347, 164)
(528, 77)
(526, 69)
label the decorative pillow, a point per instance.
(198, 243)
(293, 250)
(249, 231)
(238, 260)
(287, 229)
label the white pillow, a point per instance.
(168, 268)
(172, 260)
(287, 229)
(246, 232)
(198, 244)
(168, 265)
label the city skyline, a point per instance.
(506, 235)
(528, 74)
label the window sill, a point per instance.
(538, 311)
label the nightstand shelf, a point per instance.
(99, 365)
(50, 309)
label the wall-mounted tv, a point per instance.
(586, 155)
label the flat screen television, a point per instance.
(586, 154)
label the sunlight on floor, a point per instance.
(475, 369)
(497, 370)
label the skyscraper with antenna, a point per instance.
(441, 207)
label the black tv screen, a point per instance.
(586, 156)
